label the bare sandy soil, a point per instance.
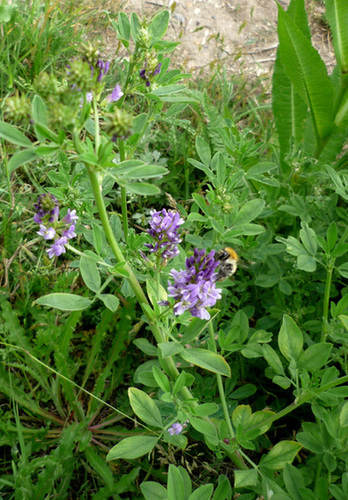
(240, 33)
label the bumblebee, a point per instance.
(227, 259)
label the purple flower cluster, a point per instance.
(194, 289)
(47, 212)
(147, 75)
(103, 69)
(164, 227)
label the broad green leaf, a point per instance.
(293, 480)
(143, 172)
(331, 235)
(132, 447)
(272, 359)
(124, 26)
(249, 211)
(308, 238)
(208, 360)
(337, 14)
(306, 70)
(43, 131)
(22, 157)
(245, 478)
(39, 110)
(204, 492)
(13, 135)
(135, 26)
(205, 409)
(141, 188)
(290, 339)
(193, 330)
(110, 301)
(204, 426)
(314, 357)
(176, 487)
(170, 348)
(281, 454)
(224, 489)
(64, 301)
(144, 407)
(203, 150)
(145, 346)
(90, 273)
(306, 263)
(161, 379)
(158, 26)
(241, 415)
(153, 491)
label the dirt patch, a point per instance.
(241, 34)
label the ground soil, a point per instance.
(242, 34)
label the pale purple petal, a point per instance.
(116, 94)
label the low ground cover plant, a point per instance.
(174, 312)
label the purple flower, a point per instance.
(46, 207)
(57, 248)
(103, 69)
(48, 233)
(164, 230)
(157, 70)
(70, 216)
(53, 229)
(175, 429)
(116, 94)
(194, 289)
(70, 232)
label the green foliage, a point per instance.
(245, 390)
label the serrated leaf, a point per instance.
(337, 14)
(281, 454)
(314, 357)
(144, 407)
(64, 301)
(132, 447)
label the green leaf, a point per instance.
(202, 493)
(308, 238)
(306, 263)
(144, 407)
(272, 359)
(64, 301)
(135, 26)
(337, 14)
(161, 379)
(314, 357)
(203, 150)
(44, 132)
(143, 172)
(176, 488)
(344, 415)
(245, 478)
(307, 71)
(293, 480)
(290, 339)
(158, 26)
(90, 273)
(204, 426)
(22, 157)
(132, 447)
(13, 135)
(145, 346)
(281, 454)
(110, 301)
(249, 211)
(153, 491)
(170, 348)
(141, 188)
(39, 114)
(124, 26)
(208, 360)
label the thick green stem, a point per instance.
(123, 196)
(329, 270)
(221, 386)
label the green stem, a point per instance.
(221, 385)
(329, 270)
(96, 126)
(123, 195)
